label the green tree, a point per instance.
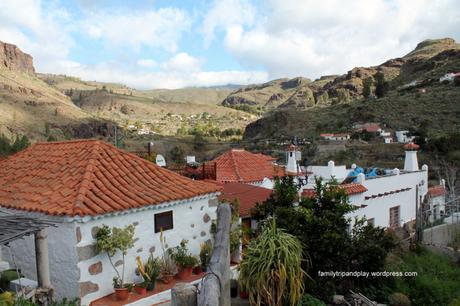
(382, 86)
(177, 155)
(367, 83)
(322, 225)
(112, 240)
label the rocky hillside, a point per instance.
(12, 58)
(415, 98)
(430, 59)
(29, 106)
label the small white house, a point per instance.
(335, 137)
(403, 137)
(387, 139)
(85, 184)
(437, 201)
(449, 77)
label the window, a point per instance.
(394, 216)
(163, 221)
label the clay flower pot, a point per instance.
(166, 279)
(140, 290)
(197, 270)
(121, 294)
(185, 272)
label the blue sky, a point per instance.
(174, 44)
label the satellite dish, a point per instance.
(160, 160)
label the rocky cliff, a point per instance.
(12, 58)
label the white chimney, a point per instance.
(190, 159)
(411, 162)
(360, 178)
(442, 182)
(291, 168)
(331, 167)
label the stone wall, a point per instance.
(192, 221)
(441, 235)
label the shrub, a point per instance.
(398, 299)
(181, 255)
(112, 240)
(309, 300)
(271, 269)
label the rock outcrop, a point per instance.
(11, 57)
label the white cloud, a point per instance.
(160, 28)
(147, 63)
(37, 29)
(313, 38)
(182, 62)
(224, 14)
(110, 72)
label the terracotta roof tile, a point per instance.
(88, 177)
(248, 196)
(237, 165)
(350, 189)
(411, 146)
(436, 191)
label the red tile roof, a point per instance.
(350, 189)
(238, 165)
(411, 146)
(88, 177)
(436, 191)
(372, 128)
(248, 196)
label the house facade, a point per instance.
(437, 201)
(385, 198)
(83, 185)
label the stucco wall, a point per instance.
(192, 221)
(62, 259)
(379, 207)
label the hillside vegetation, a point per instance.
(414, 98)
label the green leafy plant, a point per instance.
(271, 269)
(309, 300)
(150, 270)
(181, 255)
(112, 240)
(205, 254)
(167, 265)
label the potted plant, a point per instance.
(184, 260)
(111, 241)
(168, 267)
(149, 271)
(205, 255)
(141, 288)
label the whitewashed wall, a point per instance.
(62, 258)
(192, 221)
(379, 207)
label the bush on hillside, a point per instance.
(398, 299)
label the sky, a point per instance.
(174, 44)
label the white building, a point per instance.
(86, 184)
(384, 200)
(437, 201)
(388, 139)
(335, 137)
(449, 77)
(403, 137)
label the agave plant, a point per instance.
(271, 269)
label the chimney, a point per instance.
(411, 162)
(291, 168)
